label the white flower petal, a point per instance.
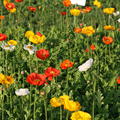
(78, 2)
(22, 92)
(85, 66)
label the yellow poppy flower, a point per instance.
(80, 115)
(109, 27)
(55, 102)
(75, 12)
(12, 42)
(109, 10)
(71, 105)
(28, 34)
(97, 3)
(2, 78)
(89, 30)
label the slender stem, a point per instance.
(3, 105)
(34, 115)
(60, 113)
(67, 116)
(93, 104)
(45, 105)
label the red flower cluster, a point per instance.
(66, 64)
(42, 54)
(31, 8)
(36, 79)
(3, 37)
(51, 72)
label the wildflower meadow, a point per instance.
(59, 59)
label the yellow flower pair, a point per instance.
(6, 80)
(69, 105)
(34, 38)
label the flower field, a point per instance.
(59, 60)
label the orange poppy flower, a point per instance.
(92, 47)
(66, 3)
(107, 40)
(77, 30)
(66, 64)
(2, 17)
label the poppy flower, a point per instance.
(22, 92)
(109, 10)
(39, 34)
(31, 8)
(97, 4)
(66, 64)
(36, 79)
(18, 0)
(107, 40)
(118, 80)
(77, 30)
(8, 47)
(86, 50)
(30, 48)
(2, 17)
(75, 12)
(63, 13)
(66, 3)
(42, 54)
(3, 37)
(51, 72)
(85, 66)
(92, 47)
(10, 6)
(87, 9)
(109, 27)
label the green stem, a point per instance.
(60, 113)
(67, 116)
(93, 104)
(34, 115)
(45, 106)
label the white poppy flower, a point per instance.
(30, 48)
(85, 66)
(116, 13)
(7, 47)
(78, 2)
(22, 92)
(118, 20)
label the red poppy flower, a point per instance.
(63, 13)
(107, 40)
(3, 37)
(30, 8)
(66, 64)
(36, 79)
(92, 47)
(42, 54)
(10, 6)
(86, 50)
(18, 0)
(39, 34)
(51, 72)
(118, 80)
